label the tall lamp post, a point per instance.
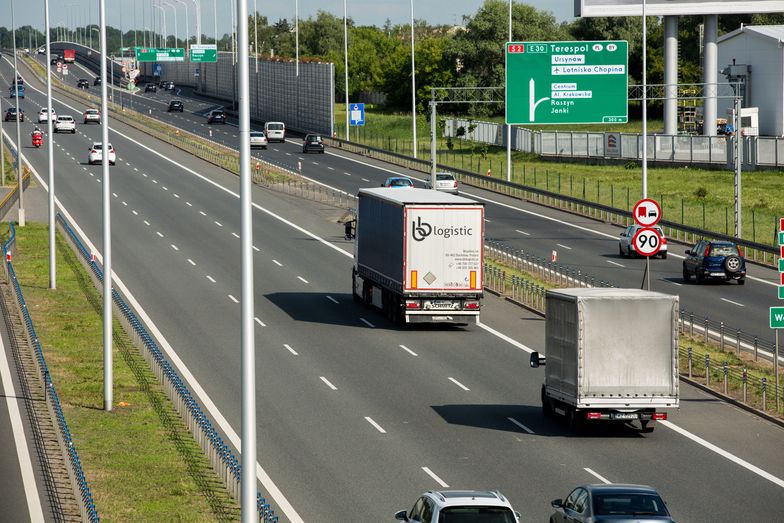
(187, 24)
(197, 3)
(164, 37)
(345, 55)
(413, 88)
(18, 130)
(174, 12)
(50, 151)
(509, 127)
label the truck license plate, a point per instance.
(441, 304)
(626, 415)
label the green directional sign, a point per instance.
(567, 82)
(166, 54)
(204, 53)
(777, 317)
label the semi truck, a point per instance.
(418, 255)
(69, 56)
(611, 355)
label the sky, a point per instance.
(364, 12)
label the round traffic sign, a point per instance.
(647, 212)
(647, 241)
(65, 67)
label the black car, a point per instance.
(162, 84)
(614, 502)
(54, 61)
(713, 259)
(10, 115)
(313, 142)
(150, 88)
(83, 84)
(217, 116)
(176, 105)
(97, 80)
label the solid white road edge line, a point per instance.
(506, 338)
(596, 475)
(22, 452)
(436, 478)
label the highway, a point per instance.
(357, 417)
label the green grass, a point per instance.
(697, 197)
(140, 461)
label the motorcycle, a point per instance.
(38, 140)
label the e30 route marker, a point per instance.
(647, 242)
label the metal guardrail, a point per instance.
(223, 461)
(86, 506)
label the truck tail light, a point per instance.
(659, 415)
(593, 415)
(412, 304)
(472, 305)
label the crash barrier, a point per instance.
(84, 496)
(10, 199)
(223, 461)
(756, 251)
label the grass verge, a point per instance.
(140, 460)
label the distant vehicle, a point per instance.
(96, 154)
(313, 142)
(257, 139)
(92, 116)
(444, 182)
(10, 115)
(65, 124)
(176, 105)
(97, 80)
(460, 506)
(162, 84)
(150, 88)
(398, 182)
(275, 131)
(611, 503)
(54, 61)
(713, 259)
(626, 239)
(83, 84)
(42, 50)
(43, 115)
(169, 85)
(17, 90)
(69, 56)
(216, 116)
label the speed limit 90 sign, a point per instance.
(647, 241)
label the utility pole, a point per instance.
(18, 130)
(50, 153)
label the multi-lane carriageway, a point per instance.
(357, 417)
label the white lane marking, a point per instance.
(330, 385)
(114, 194)
(436, 478)
(347, 174)
(673, 282)
(203, 213)
(506, 338)
(136, 169)
(191, 262)
(295, 353)
(135, 213)
(408, 350)
(219, 224)
(375, 425)
(523, 232)
(155, 181)
(564, 246)
(529, 431)
(159, 233)
(453, 380)
(232, 298)
(260, 322)
(333, 300)
(176, 195)
(303, 280)
(723, 453)
(144, 174)
(315, 163)
(487, 221)
(235, 235)
(256, 249)
(616, 263)
(330, 168)
(22, 452)
(146, 223)
(211, 278)
(365, 180)
(733, 302)
(596, 475)
(189, 204)
(175, 247)
(363, 320)
(165, 188)
(276, 262)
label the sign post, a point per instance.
(777, 313)
(566, 82)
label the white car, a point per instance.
(65, 124)
(275, 131)
(444, 182)
(258, 139)
(476, 506)
(96, 154)
(43, 115)
(92, 116)
(625, 241)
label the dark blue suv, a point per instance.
(712, 259)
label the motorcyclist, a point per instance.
(37, 135)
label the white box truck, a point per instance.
(611, 355)
(418, 255)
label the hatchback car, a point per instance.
(97, 80)
(43, 115)
(10, 115)
(626, 241)
(83, 84)
(257, 139)
(275, 131)
(615, 502)
(313, 142)
(96, 154)
(475, 506)
(216, 116)
(92, 116)
(150, 88)
(65, 124)
(398, 182)
(176, 105)
(712, 259)
(444, 182)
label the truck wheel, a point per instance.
(647, 426)
(573, 419)
(547, 408)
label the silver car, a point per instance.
(444, 182)
(626, 246)
(614, 502)
(258, 139)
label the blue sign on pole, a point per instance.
(157, 69)
(357, 114)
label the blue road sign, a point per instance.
(357, 114)
(157, 69)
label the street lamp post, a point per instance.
(413, 88)
(296, 32)
(345, 56)
(50, 151)
(18, 130)
(174, 11)
(165, 41)
(187, 24)
(91, 36)
(509, 127)
(197, 3)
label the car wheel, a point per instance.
(686, 275)
(732, 264)
(742, 281)
(620, 250)
(73, 132)
(698, 277)
(664, 255)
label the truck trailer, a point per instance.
(611, 355)
(69, 56)
(418, 255)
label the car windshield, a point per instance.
(444, 177)
(628, 504)
(723, 250)
(476, 515)
(314, 139)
